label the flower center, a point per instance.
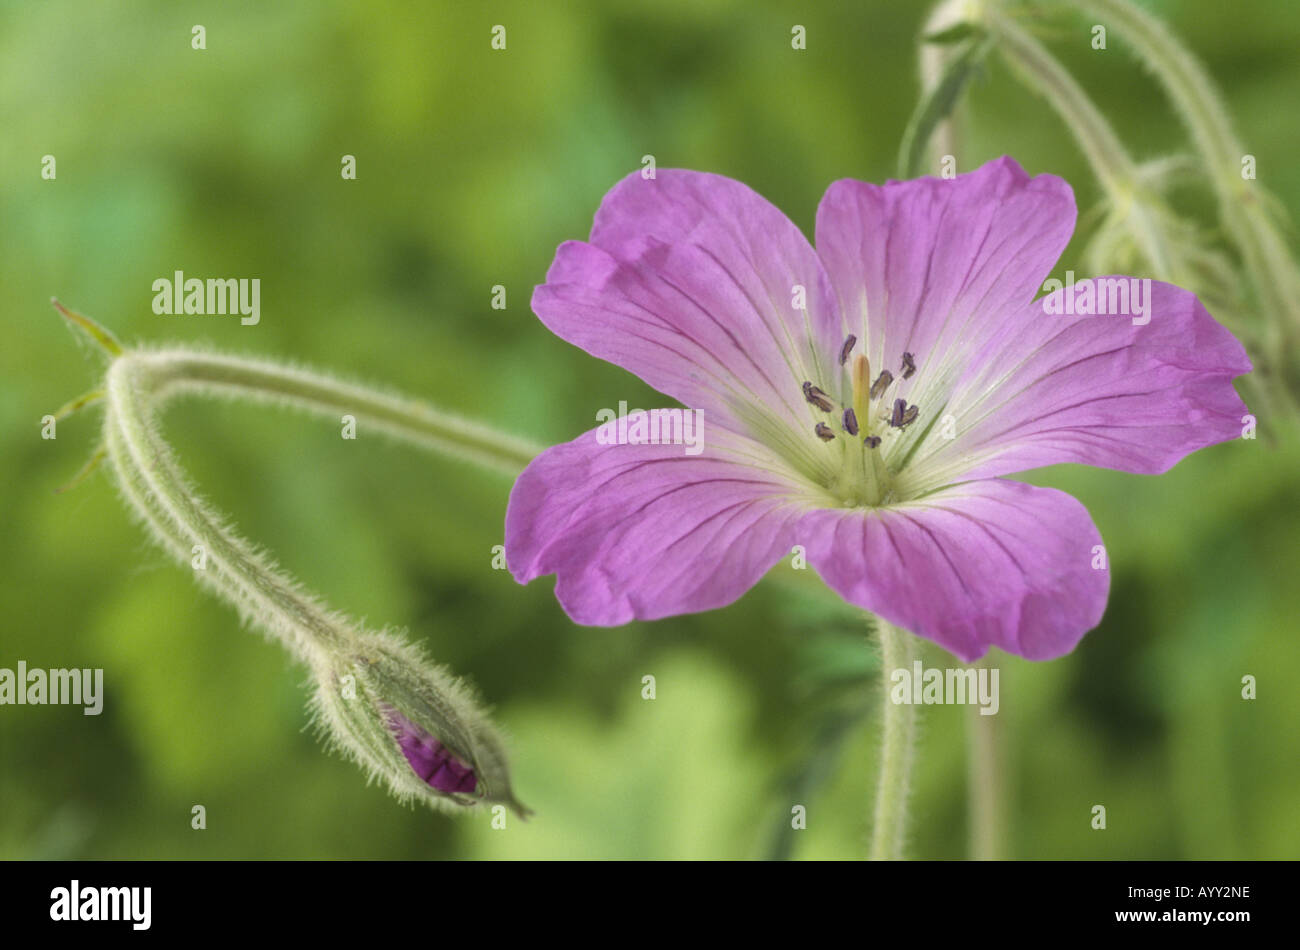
(864, 431)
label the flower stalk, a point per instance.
(1137, 207)
(380, 701)
(1246, 216)
(1115, 169)
(985, 783)
(898, 649)
(175, 372)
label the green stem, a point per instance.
(181, 522)
(1268, 261)
(985, 784)
(933, 59)
(898, 649)
(1110, 161)
(174, 372)
(390, 674)
(137, 385)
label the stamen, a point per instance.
(847, 348)
(903, 414)
(872, 441)
(850, 422)
(881, 384)
(909, 366)
(824, 432)
(817, 397)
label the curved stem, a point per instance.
(932, 58)
(898, 649)
(175, 372)
(183, 524)
(1110, 161)
(1268, 263)
(402, 690)
(1264, 251)
(137, 385)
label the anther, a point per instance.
(909, 366)
(903, 414)
(850, 422)
(817, 397)
(847, 348)
(881, 384)
(872, 441)
(824, 432)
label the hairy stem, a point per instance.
(1268, 264)
(154, 485)
(137, 385)
(932, 58)
(1267, 259)
(372, 689)
(898, 649)
(1110, 161)
(174, 372)
(985, 783)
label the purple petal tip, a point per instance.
(430, 759)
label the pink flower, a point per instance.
(871, 426)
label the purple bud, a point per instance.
(429, 758)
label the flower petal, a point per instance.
(690, 283)
(646, 531)
(1098, 390)
(987, 563)
(429, 758)
(932, 267)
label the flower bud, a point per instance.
(412, 724)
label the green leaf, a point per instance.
(100, 335)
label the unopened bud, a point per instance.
(412, 724)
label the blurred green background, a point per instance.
(472, 166)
